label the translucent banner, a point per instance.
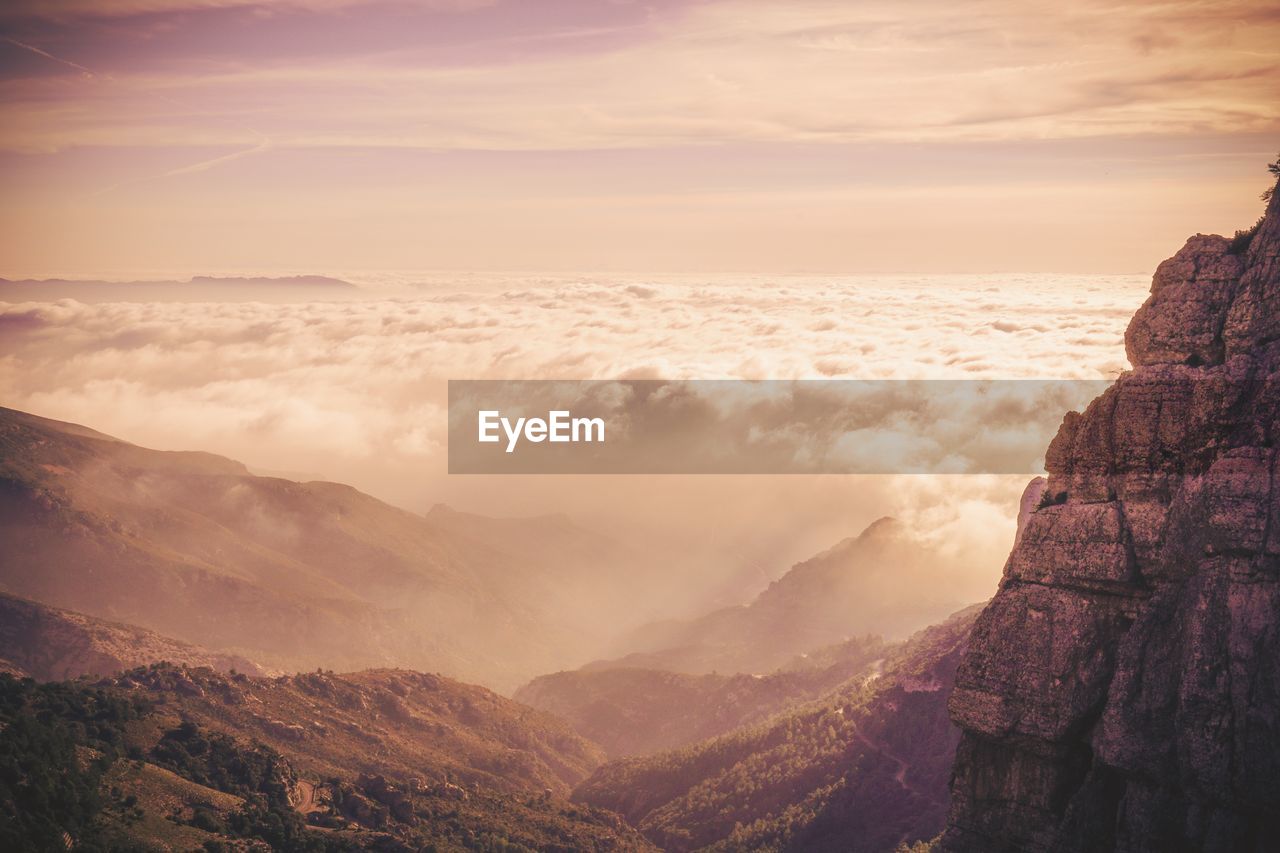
(651, 426)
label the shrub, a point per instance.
(1240, 243)
(1048, 499)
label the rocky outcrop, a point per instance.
(1122, 690)
(1032, 495)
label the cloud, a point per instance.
(68, 10)
(48, 56)
(355, 391)
(203, 165)
(708, 73)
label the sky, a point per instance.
(602, 188)
(806, 136)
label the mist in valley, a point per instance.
(351, 391)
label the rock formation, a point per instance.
(1122, 690)
(1028, 504)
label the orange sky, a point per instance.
(725, 135)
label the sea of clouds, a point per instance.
(354, 390)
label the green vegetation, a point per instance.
(59, 740)
(1244, 238)
(256, 773)
(1274, 169)
(1050, 499)
(919, 846)
(216, 761)
(56, 741)
(168, 757)
(861, 770)
(1241, 241)
(633, 711)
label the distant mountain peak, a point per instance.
(885, 527)
(286, 280)
(200, 288)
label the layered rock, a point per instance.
(1122, 690)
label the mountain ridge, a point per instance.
(295, 575)
(179, 757)
(860, 769)
(632, 711)
(199, 288)
(52, 644)
(863, 584)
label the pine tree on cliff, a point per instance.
(1274, 169)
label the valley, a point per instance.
(639, 426)
(169, 721)
(193, 657)
(298, 575)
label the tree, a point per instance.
(1274, 169)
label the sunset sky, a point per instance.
(725, 135)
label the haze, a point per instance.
(796, 147)
(354, 391)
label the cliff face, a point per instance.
(1122, 690)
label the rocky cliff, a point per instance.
(1122, 690)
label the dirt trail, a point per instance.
(307, 798)
(901, 775)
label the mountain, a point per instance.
(176, 757)
(884, 581)
(641, 711)
(298, 575)
(50, 644)
(862, 769)
(201, 288)
(1122, 691)
(398, 723)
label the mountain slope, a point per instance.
(181, 757)
(51, 644)
(294, 575)
(640, 711)
(394, 722)
(859, 770)
(884, 581)
(1121, 691)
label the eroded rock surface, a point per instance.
(1122, 690)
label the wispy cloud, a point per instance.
(808, 71)
(47, 55)
(70, 10)
(398, 116)
(205, 165)
(264, 143)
